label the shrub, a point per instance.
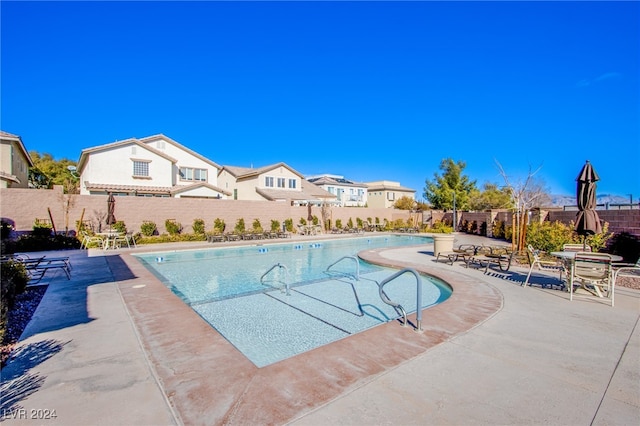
(172, 227)
(148, 228)
(549, 236)
(119, 226)
(198, 226)
(218, 226)
(257, 226)
(275, 225)
(239, 228)
(350, 223)
(14, 279)
(360, 222)
(626, 245)
(5, 229)
(288, 225)
(339, 223)
(599, 241)
(315, 220)
(303, 221)
(31, 242)
(440, 227)
(42, 230)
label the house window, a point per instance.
(268, 182)
(141, 168)
(281, 182)
(292, 183)
(188, 173)
(391, 196)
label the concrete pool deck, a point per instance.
(114, 346)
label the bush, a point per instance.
(119, 226)
(40, 230)
(239, 228)
(275, 225)
(148, 228)
(5, 229)
(288, 225)
(626, 245)
(31, 242)
(218, 226)
(257, 226)
(350, 223)
(339, 223)
(198, 226)
(550, 236)
(14, 279)
(172, 227)
(440, 227)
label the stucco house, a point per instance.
(14, 162)
(347, 193)
(154, 166)
(385, 193)
(275, 182)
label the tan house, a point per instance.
(385, 193)
(14, 162)
(155, 166)
(275, 182)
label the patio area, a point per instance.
(114, 346)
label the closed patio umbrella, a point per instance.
(111, 207)
(587, 220)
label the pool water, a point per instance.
(228, 288)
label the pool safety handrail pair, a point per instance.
(383, 296)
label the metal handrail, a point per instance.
(396, 305)
(355, 259)
(281, 266)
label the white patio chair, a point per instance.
(626, 270)
(545, 265)
(595, 273)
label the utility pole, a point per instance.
(455, 221)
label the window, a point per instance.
(268, 182)
(391, 196)
(281, 182)
(292, 183)
(141, 168)
(188, 173)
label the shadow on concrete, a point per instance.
(17, 382)
(65, 302)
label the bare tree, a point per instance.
(524, 195)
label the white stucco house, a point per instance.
(347, 193)
(275, 182)
(385, 193)
(14, 162)
(154, 166)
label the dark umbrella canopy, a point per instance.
(587, 220)
(309, 215)
(111, 207)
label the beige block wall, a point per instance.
(22, 206)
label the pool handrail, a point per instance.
(354, 258)
(281, 266)
(396, 305)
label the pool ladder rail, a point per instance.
(395, 305)
(286, 283)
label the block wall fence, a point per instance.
(21, 208)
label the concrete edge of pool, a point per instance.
(205, 377)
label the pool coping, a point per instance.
(207, 380)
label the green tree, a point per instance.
(405, 203)
(47, 171)
(440, 191)
(491, 197)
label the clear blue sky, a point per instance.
(368, 90)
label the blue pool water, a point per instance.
(266, 324)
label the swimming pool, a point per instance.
(228, 288)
